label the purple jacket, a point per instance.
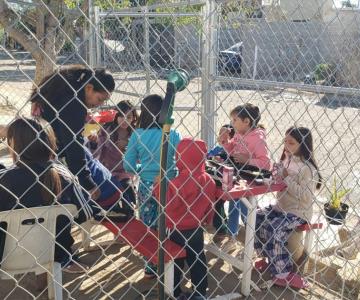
(107, 152)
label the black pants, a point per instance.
(128, 196)
(64, 240)
(193, 242)
(219, 220)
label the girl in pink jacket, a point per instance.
(248, 147)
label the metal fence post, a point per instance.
(209, 54)
(147, 50)
(92, 33)
(97, 37)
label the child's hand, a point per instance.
(93, 138)
(224, 136)
(218, 158)
(222, 140)
(241, 157)
(95, 193)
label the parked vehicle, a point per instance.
(229, 62)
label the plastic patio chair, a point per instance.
(27, 239)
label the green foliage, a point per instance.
(347, 3)
(68, 47)
(336, 195)
(2, 34)
(242, 7)
(176, 20)
(324, 71)
(103, 4)
(114, 4)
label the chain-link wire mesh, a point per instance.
(297, 61)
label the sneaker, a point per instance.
(292, 280)
(150, 271)
(149, 275)
(261, 265)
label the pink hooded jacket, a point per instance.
(252, 143)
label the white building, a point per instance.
(305, 10)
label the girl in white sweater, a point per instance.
(274, 224)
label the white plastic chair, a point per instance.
(30, 243)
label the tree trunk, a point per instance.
(45, 65)
(48, 40)
(46, 33)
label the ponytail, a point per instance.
(250, 112)
(50, 186)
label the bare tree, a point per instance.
(42, 31)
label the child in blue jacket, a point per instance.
(144, 149)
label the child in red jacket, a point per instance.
(189, 201)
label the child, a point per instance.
(110, 144)
(293, 208)
(247, 147)
(189, 202)
(226, 132)
(144, 148)
(37, 180)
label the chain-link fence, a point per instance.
(297, 61)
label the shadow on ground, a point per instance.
(337, 101)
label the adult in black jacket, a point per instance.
(62, 99)
(36, 180)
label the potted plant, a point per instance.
(335, 210)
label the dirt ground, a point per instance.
(116, 271)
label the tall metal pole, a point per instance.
(97, 36)
(208, 71)
(147, 50)
(91, 33)
(255, 62)
(177, 81)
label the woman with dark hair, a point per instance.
(37, 180)
(142, 157)
(62, 98)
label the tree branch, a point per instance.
(66, 33)
(8, 19)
